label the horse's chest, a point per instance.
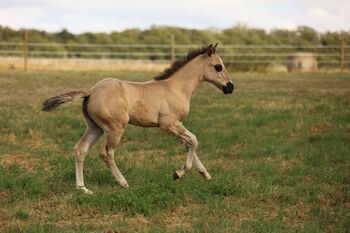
(180, 111)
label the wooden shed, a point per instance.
(302, 62)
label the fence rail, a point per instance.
(168, 46)
(331, 55)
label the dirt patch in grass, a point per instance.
(180, 217)
(244, 215)
(139, 219)
(35, 140)
(240, 217)
(9, 138)
(270, 210)
(226, 163)
(5, 219)
(32, 140)
(309, 179)
(24, 160)
(145, 157)
(239, 146)
(320, 128)
(59, 212)
(288, 165)
(280, 104)
(298, 214)
(3, 195)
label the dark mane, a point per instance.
(178, 64)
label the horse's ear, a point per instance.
(214, 47)
(210, 50)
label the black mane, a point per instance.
(178, 64)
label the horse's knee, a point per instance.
(193, 142)
(189, 141)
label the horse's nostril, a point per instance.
(230, 85)
(228, 89)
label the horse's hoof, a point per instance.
(206, 175)
(125, 186)
(84, 190)
(176, 176)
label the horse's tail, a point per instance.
(53, 102)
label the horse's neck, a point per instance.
(187, 78)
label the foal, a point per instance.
(163, 102)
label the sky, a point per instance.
(116, 15)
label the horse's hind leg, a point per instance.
(81, 148)
(107, 154)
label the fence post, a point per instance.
(25, 49)
(172, 48)
(341, 52)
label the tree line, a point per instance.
(236, 35)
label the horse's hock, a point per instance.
(302, 62)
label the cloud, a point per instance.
(109, 15)
(324, 14)
(320, 18)
(26, 17)
(19, 16)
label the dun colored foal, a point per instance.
(164, 102)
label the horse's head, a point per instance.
(215, 71)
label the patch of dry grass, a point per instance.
(61, 64)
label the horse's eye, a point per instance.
(218, 67)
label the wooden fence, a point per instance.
(336, 56)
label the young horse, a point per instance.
(163, 102)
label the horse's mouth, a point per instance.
(228, 89)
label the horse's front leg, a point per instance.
(189, 140)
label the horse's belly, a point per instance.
(142, 122)
(142, 115)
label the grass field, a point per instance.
(278, 151)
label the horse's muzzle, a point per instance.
(228, 89)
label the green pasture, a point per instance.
(278, 150)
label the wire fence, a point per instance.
(336, 55)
